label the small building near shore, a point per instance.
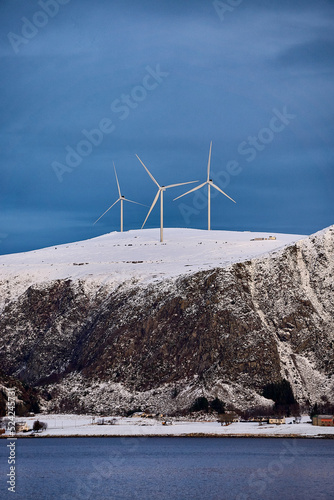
(260, 420)
(21, 427)
(277, 420)
(323, 420)
(263, 239)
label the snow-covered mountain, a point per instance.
(122, 321)
(122, 258)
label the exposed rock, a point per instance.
(226, 332)
(26, 398)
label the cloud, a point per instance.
(224, 80)
(311, 54)
(286, 5)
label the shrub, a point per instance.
(257, 411)
(200, 404)
(321, 409)
(281, 393)
(218, 406)
(39, 426)
(131, 412)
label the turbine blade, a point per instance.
(119, 189)
(216, 187)
(149, 173)
(209, 161)
(152, 206)
(180, 184)
(136, 202)
(191, 190)
(106, 211)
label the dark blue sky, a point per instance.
(86, 83)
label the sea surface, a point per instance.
(170, 468)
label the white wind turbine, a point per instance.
(121, 199)
(160, 193)
(209, 183)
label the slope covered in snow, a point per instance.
(137, 255)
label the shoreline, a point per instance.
(192, 435)
(72, 425)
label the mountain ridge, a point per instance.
(220, 332)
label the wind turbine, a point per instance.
(209, 183)
(160, 193)
(121, 199)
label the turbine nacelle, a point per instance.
(160, 192)
(209, 183)
(121, 198)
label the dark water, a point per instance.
(170, 468)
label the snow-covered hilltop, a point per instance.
(122, 321)
(116, 258)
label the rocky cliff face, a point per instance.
(225, 332)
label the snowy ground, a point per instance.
(82, 425)
(119, 257)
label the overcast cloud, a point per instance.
(162, 79)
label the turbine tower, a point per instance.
(160, 193)
(209, 183)
(121, 199)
